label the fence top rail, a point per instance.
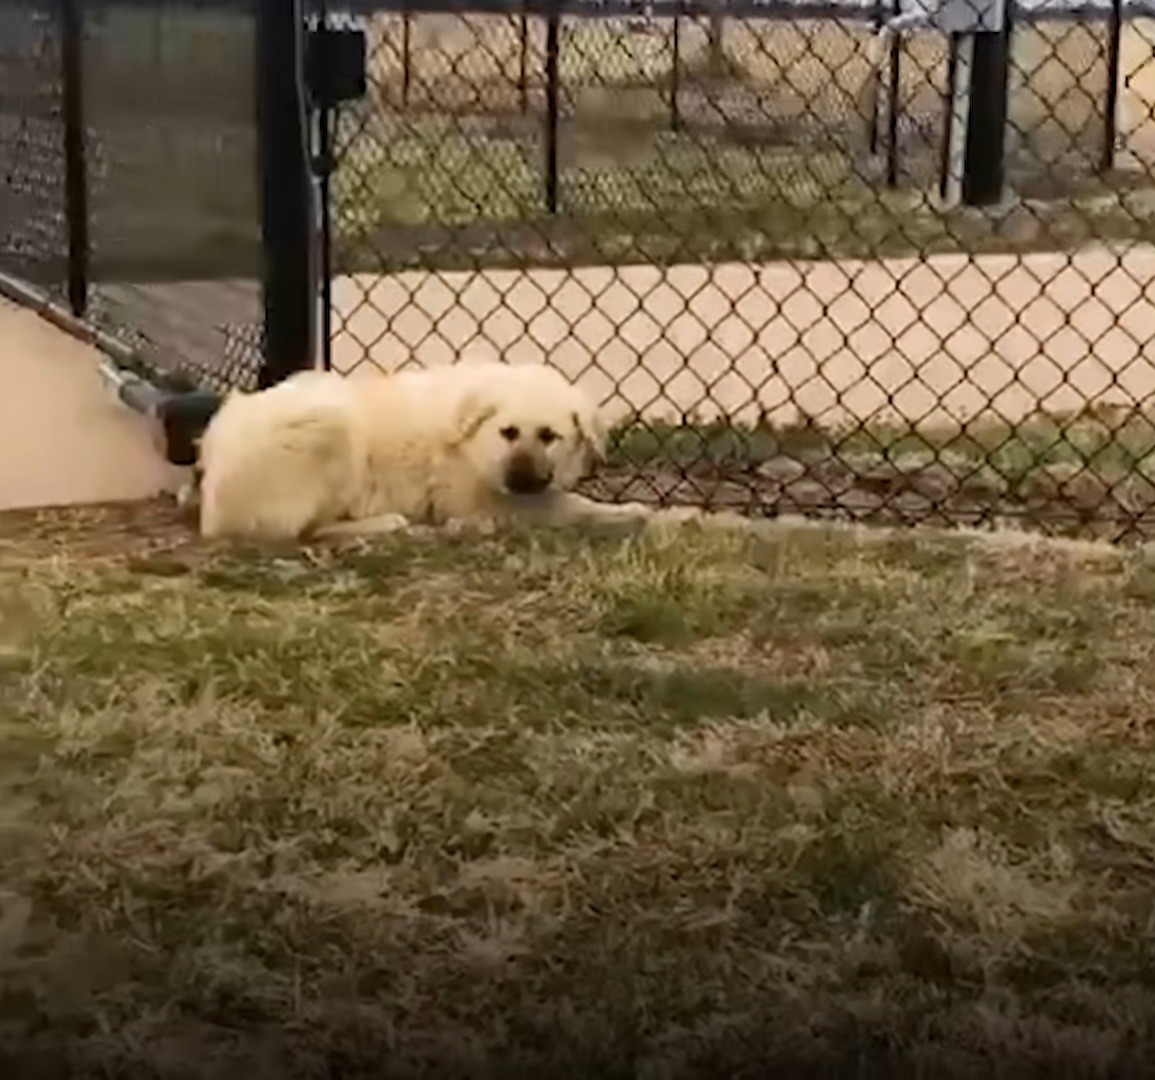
(1025, 10)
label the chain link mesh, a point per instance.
(33, 239)
(750, 263)
(168, 103)
(170, 106)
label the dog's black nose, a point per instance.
(522, 478)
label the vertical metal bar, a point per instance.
(406, 56)
(523, 59)
(983, 170)
(878, 17)
(1111, 109)
(325, 162)
(75, 166)
(676, 69)
(892, 110)
(552, 93)
(287, 209)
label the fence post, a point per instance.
(983, 168)
(1111, 107)
(287, 202)
(523, 58)
(552, 95)
(894, 105)
(406, 55)
(75, 170)
(877, 19)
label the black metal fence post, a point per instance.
(287, 198)
(894, 105)
(326, 117)
(676, 69)
(1111, 108)
(983, 171)
(406, 56)
(552, 95)
(75, 170)
(877, 19)
(523, 58)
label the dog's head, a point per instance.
(526, 430)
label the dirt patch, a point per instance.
(92, 533)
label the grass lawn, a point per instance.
(1114, 447)
(822, 801)
(430, 195)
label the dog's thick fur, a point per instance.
(320, 454)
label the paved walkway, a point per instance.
(63, 440)
(946, 337)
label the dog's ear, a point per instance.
(474, 407)
(592, 429)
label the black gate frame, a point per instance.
(288, 205)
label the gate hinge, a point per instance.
(335, 65)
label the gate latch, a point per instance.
(335, 65)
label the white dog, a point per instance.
(321, 454)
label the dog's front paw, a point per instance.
(361, 528)
(676, 516)
(391, 523)
(627, 511)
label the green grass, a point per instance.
(1115, 446)
(430, 195)
(683, 805)
(440, 174)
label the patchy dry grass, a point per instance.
(826, 802)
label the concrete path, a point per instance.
(63, 441)
(937, 339)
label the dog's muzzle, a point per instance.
(523, 476)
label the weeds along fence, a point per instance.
(918, 290)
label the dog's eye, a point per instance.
(509, 434)
(548, 435)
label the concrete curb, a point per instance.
(179, 413)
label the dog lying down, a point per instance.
(323, 455)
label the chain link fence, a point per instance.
(166, 171)
(739, 226)
(748, 251)
(170, 107)
(33, 238)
